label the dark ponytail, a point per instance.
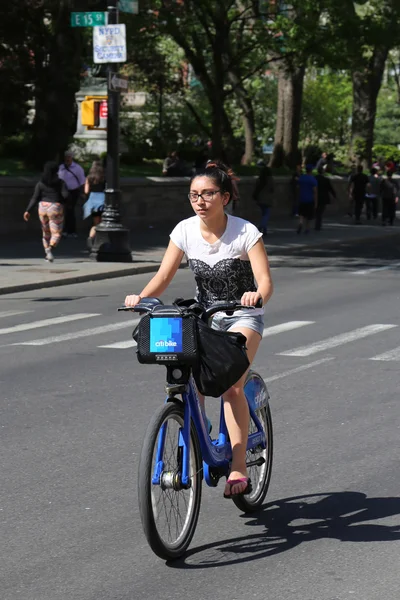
(222, 176)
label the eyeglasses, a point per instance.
(207, 195)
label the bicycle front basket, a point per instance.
(167, 337)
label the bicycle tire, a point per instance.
(252, 502)
(149, 509)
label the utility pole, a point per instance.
(112, 239)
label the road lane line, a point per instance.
(288, 326)
(313, 270)
(47, 322)
(268, 331)
(298, 369)
(120, 345)
(12, 313)
(375, 269)
(78, 334)
(337, 340)
(391, 355)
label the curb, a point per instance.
(26, 287)
(152, 268)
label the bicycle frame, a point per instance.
(216, 454)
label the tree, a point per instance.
(225, 45)
(46, 53)
(327, 105)
(366, 31)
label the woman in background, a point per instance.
(50, 193)
(94, 188)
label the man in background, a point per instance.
(325, 191)
(358, 190)
(74, 178)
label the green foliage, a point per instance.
(360, 148)
(386, 152)
(327, 104)
(387, 127)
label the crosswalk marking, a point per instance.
(387, 356)
(298, 369)
(13, 313)
(337, 340)
(79, 334)
(268, 331)
(375, 269)
(275, 329)
(120, 345)
(47, 322)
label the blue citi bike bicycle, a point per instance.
(178, 451)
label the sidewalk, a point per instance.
(23, 268)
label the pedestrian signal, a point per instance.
(92, 112)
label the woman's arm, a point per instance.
(87, 186)
(35, 198)
(161, 280)
(262, 274)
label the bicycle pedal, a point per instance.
(256, 463)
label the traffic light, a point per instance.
(94, 112)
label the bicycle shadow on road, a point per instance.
(285, 524)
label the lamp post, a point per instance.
(112, 239)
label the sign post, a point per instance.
(112, 239)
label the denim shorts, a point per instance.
(222, 322)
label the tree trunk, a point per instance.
(55, 87)
(287, 132)
(245, 103)
(366, 85)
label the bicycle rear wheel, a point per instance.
(260, 475)
(169, 512)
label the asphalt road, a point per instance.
(75, 403)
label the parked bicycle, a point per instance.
(178, 450)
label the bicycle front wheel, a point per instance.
(169, 511)
(260, 474)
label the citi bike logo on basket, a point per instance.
(165, 334)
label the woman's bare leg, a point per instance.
(237, 416)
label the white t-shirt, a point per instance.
(222, 270)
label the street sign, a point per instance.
(88, 19)
(109, 44)
(129, 6)
(103, 112)
(118, 83)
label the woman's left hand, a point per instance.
(26, 216)
(250, 298)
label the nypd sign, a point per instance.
(109, 44)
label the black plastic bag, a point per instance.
(222, 359)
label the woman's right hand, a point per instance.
(132, 300)
(26, 216)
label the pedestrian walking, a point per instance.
(322, 161)
(373, 194)
(263, 195)
(74, 178)
(325, 190)
(358, 190)
(94, 189)
(390, 197)
(294, 188)
(350, 177)
(50, 193)
(307, 198)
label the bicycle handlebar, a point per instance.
(146, 305)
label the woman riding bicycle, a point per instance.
(227, 256)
